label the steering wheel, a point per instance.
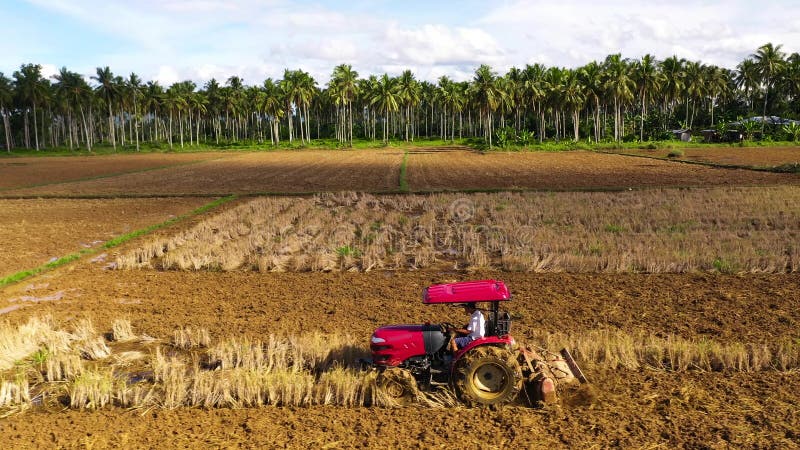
(445, 325)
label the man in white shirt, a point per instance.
(475, 329)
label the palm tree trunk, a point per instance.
(86, 129)
(180, 126)
(350, 134)
(35, 130)
(644, 112)
(575, 124)
(169, 136)
(764, 112)
(136, 122)
(7, 128)
(111, 128)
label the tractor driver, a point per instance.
(475, 329)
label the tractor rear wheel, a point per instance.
(487, 375)
(398, 386)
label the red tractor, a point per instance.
(492, 370)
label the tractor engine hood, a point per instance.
(391, 345)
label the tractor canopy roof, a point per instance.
(466, 291)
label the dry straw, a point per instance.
(310, 369)
(620, 350)
(727, 230)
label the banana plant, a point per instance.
(793, 130)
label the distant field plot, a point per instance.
(285, 171)
(32, 171)
(36, 231)
(567, 170)
(733, 156)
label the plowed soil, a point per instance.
(34, 171)
(458, 169)
(285, 171)
(631, 410)
(726, 308)
(627, 408)
(37, 231)
(733, 156)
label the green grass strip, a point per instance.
(403, 170)
(19, 276)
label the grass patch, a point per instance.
(675, 153)
(787, 168)
(19, 276)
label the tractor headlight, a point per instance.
(377, 340)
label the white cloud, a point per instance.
(173, 40)
(572, 33)
(167, 75)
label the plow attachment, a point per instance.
(545, 373)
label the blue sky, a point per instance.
(173, 40)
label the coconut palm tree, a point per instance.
(6, 98)
(289, 90)
(75, 91)
(152, 101)
(488, 96)
(306, 92)
(769, 59)
(345, 88)
(574, 97)
(31, 90)
(672, 88)
(648, 79)
(718, 86)
(620, 85)
(591, 77)
(747, 79)
(134, 85)
(386, 99)
(174, 101)
(408, 90)
(272, 106)
(534, 92)
(791, 81)
(197, 101)
(108, 90)
(694, 88)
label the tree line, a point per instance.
(613, 100)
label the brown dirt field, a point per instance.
(733, 156)
(457, 169)
(36, 231)
(726, 308)
(631, 409)
(32, 171)
(284, 171)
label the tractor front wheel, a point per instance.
(487, 376)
